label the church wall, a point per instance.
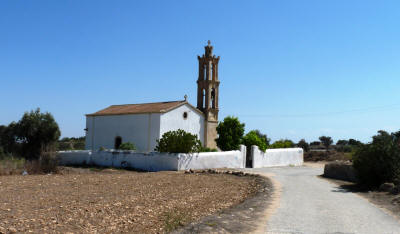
(140, 129)
(174, 120)
(89, 133)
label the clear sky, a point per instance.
(293, 69)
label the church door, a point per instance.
(117, 142)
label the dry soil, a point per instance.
(115, 200)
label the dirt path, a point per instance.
(309, 204)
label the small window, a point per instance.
(185, 115)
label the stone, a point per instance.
(396, 190)
(386, 187)
(340, 171)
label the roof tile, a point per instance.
(157, 107)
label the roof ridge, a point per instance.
(148, 103)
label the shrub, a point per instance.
(282, 144)
(344, 148)
(206, 149)
(48, 161)
(2, 153)
(73, 143)
(178, 141)
(230, 133)
(127, 146)
(379, 161)
(252, 138)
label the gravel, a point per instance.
(309, 204)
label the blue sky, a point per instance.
(293, 69)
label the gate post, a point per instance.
(254, 155)
(243, 153)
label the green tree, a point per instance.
(303, 144)
(342, 142)
(8, 138)
(230, 133)
(283, 143)
(354, 142)
(379, 161)
(35, 132)
(326, 141)
(178, 141)
(262, 136)
(315, 143)
(252, 138)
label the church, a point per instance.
(143, 124)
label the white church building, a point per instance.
(143, 124)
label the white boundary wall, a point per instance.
(155, 161)
(276, 157)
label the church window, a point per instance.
(204, 98)
(205, 72)
(213, 97)
(185, 115)
(117, 142)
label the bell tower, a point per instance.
(207, 94)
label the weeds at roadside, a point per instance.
(211, 224)
(174, 220)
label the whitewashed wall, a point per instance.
(141, 129)
(154, 161)
(173, 120)
(226, 159)
(276, 157)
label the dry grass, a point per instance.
(115, 200)
(47, 163)
(11, 166)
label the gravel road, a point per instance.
(309, 204)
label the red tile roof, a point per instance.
(156, 107)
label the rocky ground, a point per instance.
(95, 200)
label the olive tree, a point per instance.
(326, 141)
(36, 131)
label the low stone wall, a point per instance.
(154, 161)
(340, 171)
(276, 157)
